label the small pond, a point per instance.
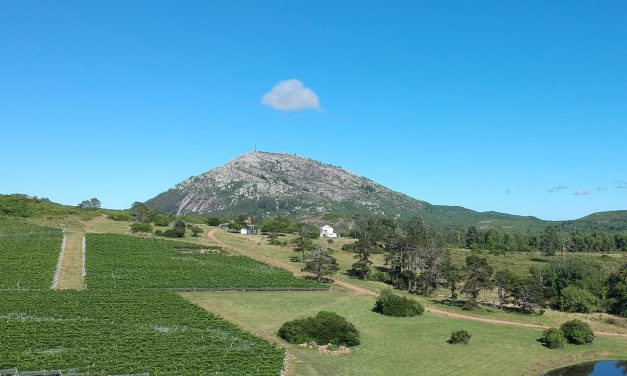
(600, 368)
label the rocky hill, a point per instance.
(265, 183)
(269, 184)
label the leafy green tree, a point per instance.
(141, 212)
(553, 338)
(273, 238)
(575, 299)
(453, 276)
(472, 236)
(196, 230)
(505, 282)
(550, 242)
(577, 332)
(478, 277)
(617, 292)
(322, 263)
(303, 244)
(92, 203)
(527, 294)
(141, 227)
(371, 234)
(213, 221)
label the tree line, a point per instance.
(417, 259)
(549, 241)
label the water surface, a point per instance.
(600, 368)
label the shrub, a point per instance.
(196, 230)
(575, 299)
(161, 220)
(577, 332)
(120, 216)
(324, 328)
(459, 337)
(176, 232)
(553, 338)
(378, 277)
(141, 227)
(390, 304)
(348, 247)
(213, 221)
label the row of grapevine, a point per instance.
(28, 254)
(127, 321)
(126, 331)
(117, 261)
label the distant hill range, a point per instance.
(270, 184)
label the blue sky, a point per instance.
(518, 107)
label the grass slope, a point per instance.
(399, 346)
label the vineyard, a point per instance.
(28, 254)
(126, 331)
(117, 261)
(127, 321)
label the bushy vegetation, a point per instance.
(617, 292)
(459, 337)
(141, 227)
(24, 206)
(324, 328)
(575, 299)
(417, 260)
(553, 338)
(280, 225)
(577, 332)
(390, 304)
(28, 254)
(120, 216)
(553, 239)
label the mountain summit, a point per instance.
(287, 184)
(261, 183)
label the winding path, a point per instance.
(364, 291)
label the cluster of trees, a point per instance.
(145, 217)
(549, 242)
(92, 203)
(417, 261)
(317, 259)
(576, 332)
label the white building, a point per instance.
(326, 231)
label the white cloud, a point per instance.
(291, 95)
(581, 192)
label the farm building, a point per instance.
(326, 231)
(250, 230)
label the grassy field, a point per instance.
(516, 261)
(398, 346)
